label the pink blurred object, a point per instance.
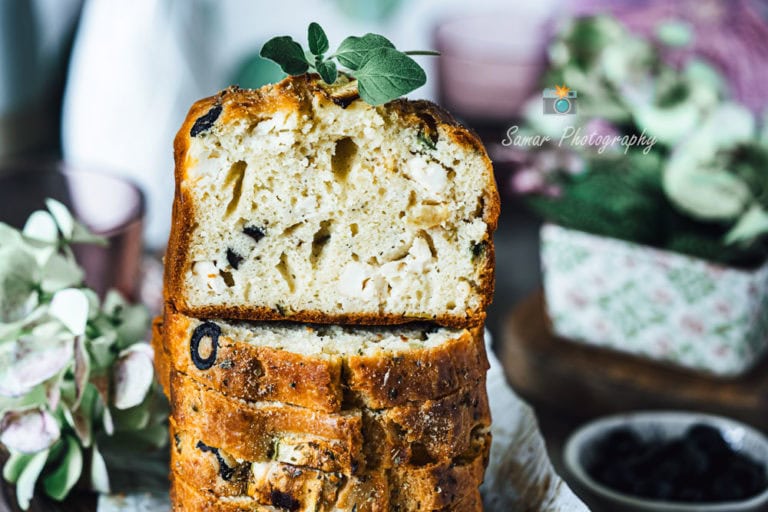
(109, 206)
(528, 181)
(731, 34)
(490, 64)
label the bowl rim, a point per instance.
(575, 442)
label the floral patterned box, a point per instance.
(654, 303)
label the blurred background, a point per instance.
(672, 231)
(102, 87)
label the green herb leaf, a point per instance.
(387, 74)
(354, 50)
(287, 53)
(318, 41)
(327, 70)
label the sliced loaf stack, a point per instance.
(326, 281)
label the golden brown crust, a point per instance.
(438, 486)
(187, 498)
(431, 431)
(256, 431)
(471, 503)
(212, 470)
(407, 377)
(442, 486)
(295, 92)
(162, 368)
(330, 382)
(257, 373)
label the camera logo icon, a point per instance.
(559, 101)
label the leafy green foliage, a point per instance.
(383, 72)
(616, 204)
(287, 53)
(318, 41)
(386, 73)
(327, 70)
(68, 362)
(354, 50)
(700, 189)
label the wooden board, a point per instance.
(584, 381)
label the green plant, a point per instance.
(701, 188)
(383, 73)
(73, 368)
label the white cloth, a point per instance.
(520, 475)
(136, 68)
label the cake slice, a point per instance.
(299, 201)
(188, 498)
(213, 470)
(406, 488)
(348, 442)
(324, 367)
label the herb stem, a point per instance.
(422, 52)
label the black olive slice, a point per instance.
(204, 122)
(210, 330)
(225, 472)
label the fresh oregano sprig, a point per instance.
(383, 73)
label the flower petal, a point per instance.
(99, 475)
(100, 350)
(133, 375)
(26, 364)
(60, 272)
(752, 224)
(101, 383)
(18, 272)
(62, 216)
(59, 482)
(53, 394)
(108, 422)
(29, 431)
(70, 307)
(42, 227)
(15, 465)
(82, 369)
(25, 486)
(82, 419)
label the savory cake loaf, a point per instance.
(186, 497)
(348, 442)
(404, 488)
(325, 367)
(299, 201)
